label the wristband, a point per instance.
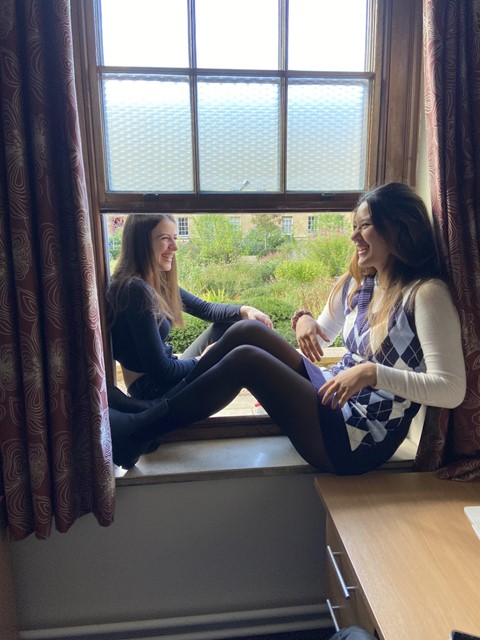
(297, 315)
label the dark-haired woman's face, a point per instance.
(372, 250)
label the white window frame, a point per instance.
(183, 226)
(287, 226)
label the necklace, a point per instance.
(377, 283)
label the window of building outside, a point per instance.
(181, 117)
(182, 227)
(312, 224)
(287, 225)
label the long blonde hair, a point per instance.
(400, 216)
(137, 261)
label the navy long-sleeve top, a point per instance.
(140, 337)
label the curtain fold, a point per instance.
(55, 449)
(451, 440)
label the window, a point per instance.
(312, 224)
(202, 117)
(185, 115)
(182, 118)
(287, 225)
(182, 225)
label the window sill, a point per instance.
(195, 460)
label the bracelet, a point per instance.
(297, 315)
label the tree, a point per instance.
(215, 238)
(265, 236)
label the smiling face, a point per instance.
(164, 243)
(372, 250)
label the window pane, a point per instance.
(145, 33)
(148, 133)
(312, 224)
(326, 35)
(182, 227)
(224, 27)
(287, 225)
(239, 137)
(327, 135)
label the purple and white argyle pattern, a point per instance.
(371, 413)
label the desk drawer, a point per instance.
(344, 595)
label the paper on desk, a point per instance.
(473, 514)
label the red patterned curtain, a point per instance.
(55, 452)
(451, 440)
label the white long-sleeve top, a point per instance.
(443, 383)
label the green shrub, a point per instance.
(235, 281)
(306, 270)
(333, 252)
(262, 241)
(216, 239)
(331, 223)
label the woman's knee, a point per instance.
(245, 356)
(246, 332)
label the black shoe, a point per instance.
(135, 433)
(122, 402)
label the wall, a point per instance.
(205, 547)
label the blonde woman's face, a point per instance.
(372, 250)
(164, 243)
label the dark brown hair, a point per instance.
(138, 261)
(400, 216)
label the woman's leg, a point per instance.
(254, 333)
(122, 402)
(287, 395)
(211, 334)
(123, 425)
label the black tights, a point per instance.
(252, 356)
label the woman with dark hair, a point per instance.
(402, 336)
(145, 301)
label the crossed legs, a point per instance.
(251, 356)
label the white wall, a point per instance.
(178, 550)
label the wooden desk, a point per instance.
(410, 550)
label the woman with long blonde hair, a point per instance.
(145, 301)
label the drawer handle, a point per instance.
(331, 555)
(332, 615)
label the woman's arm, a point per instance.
(220, 311)
(209, 311)
(438, 328)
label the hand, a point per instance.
(250, 313)
(342, 387)
(308, 331)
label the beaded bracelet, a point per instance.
(297, 315)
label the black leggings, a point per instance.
(252, 356)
